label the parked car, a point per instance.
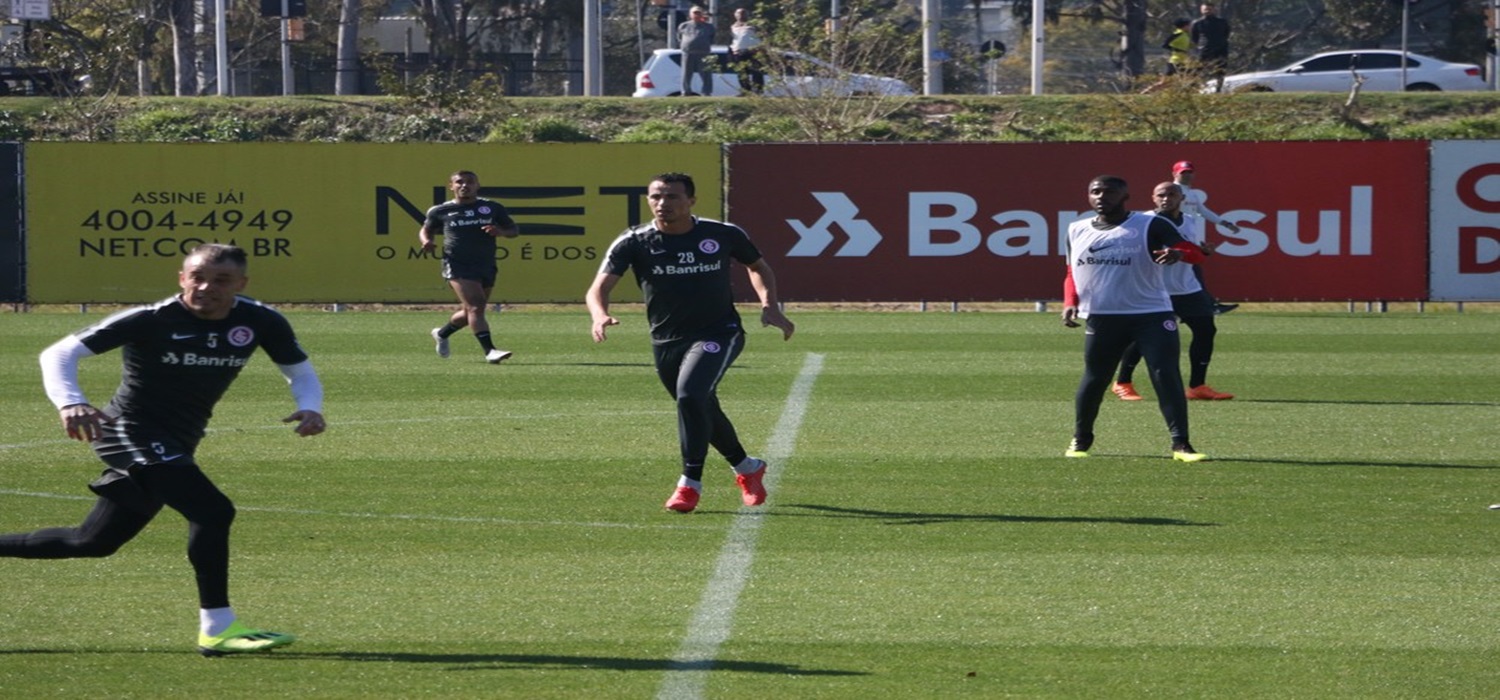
(788, 73)
(33, 80)
(1381, 69)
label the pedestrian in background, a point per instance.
(1179, 46)
(745, 49)
(1210, 33)
(696, 39)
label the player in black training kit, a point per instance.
(1115, 282)
(681, 263)
(180, 356)
(468, 225)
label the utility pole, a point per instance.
(288, 80)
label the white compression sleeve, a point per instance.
(60, 371)
(307, 389)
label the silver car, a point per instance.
(1334, 72)
(788, 73)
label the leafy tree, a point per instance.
(1363, 22)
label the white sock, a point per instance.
(693, 483)
(213, 621)
(749, 465)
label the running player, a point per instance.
(1113, 284)
(180, 356)
(681, 263)
(1192, 305)
(468, 225)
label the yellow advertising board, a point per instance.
(332, 222)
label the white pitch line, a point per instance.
(372, 421)
(403, 516)
(714, 618)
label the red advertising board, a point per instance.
(904, 222)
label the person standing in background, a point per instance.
(696, 39)
(1178, 45)
(1210, 33)
(745, 49)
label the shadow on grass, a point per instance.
(1475, 404)
(647, 365)
(902, 518)
(480, 662)
(1355, 463)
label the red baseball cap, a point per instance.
(1182, 166)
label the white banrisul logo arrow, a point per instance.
(837, 209)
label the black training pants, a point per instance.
(690, 370)
(1104, 342)
(124, 508)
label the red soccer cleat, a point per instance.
(683, 500)
(1204, 392)
(752, 491)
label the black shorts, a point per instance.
(484, 274)
(1198, 303)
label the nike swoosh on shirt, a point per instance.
(1097, 248)
(181, 336)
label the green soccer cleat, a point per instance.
(239, 639)
(1186, 453)
(1078, 448)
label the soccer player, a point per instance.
(681, 263)
(468, 225)
(1196, 210)
(1192, 305)
(1114, 282)
(180, 356)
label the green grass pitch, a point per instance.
(467, 530)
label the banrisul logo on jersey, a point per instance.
(193, 359)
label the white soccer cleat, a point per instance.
(496, 356)
(442, 343)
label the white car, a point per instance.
(1381, 69)
(788, 73)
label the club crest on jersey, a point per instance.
(709, 245)
(711, 346)
(485, 211)
(1170, 324)
(240, 336)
